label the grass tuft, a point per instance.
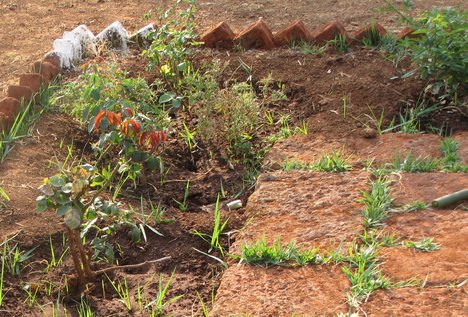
(276, 254)
(377, 203)
(410, 163)
(423, 245)
(334, 162)
(451, 161)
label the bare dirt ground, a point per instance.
(29, 27)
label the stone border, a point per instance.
(79, 44)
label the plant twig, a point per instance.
(131, 266)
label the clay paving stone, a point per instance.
(462, 139)
(34, 81)
(448, 228)
(390, 145)
(430, 302)
(257, 35)
(329, 32)
(310, 208)
(20, 92)
(409, 187)
(307, 149)
(382, 149)
(46, 69)
(219, 36)
(296, 32)
(280, 291)
(9, 105)
(365, 32)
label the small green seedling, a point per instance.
(218, 229)
(156, 307)
(334, 162)
(122, 290)
(84, 310)
(412, 164)
(277, 254)
(423, 245)
(377, 203)
(2, 274)
(183, 205)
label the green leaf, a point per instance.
(63, 209)
(41, 204)
(176, 102)
(153, 163)
(47, 190)
(78, 186)
(110, 256)
(67, 188)
(166, 97)
(4, 194)
(72, 218)
(136, 234)
(61, 199)
(95, 94)
(57, 181)
(182, 67)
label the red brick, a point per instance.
(408, 32)
(219, 36)
(10, 105)
(6, 121)
(365, 32)
(257, 35)
(329, 32)
(296, 32)
(53, 58)
(20, 92)
(46, 69)
(34, 81)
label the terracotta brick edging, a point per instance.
(75, 46)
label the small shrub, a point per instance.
(230, 119)
(441, 52)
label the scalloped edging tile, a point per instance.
(329, 32)
(296, 32)
(367, 31)
(256, 36)
(220, 36)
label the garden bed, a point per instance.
(211, 130)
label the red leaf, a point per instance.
(98, 119)
(126, 112)
(152, 139)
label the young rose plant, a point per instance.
(72, 195)
(133, 136)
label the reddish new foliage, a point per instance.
(112, 117)
(126, 112)
(152, 139)
(130, 127)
